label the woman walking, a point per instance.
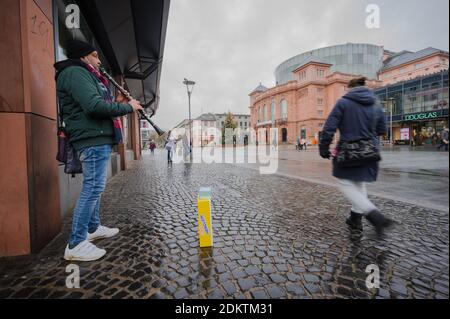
(359, 121)
(152, 147)
(169, 146)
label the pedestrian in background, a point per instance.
(152, 147)
(169, 146)
(444, 139)
(357, 117)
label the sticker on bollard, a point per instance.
(205, 231)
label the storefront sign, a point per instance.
(404, 134)
(421, 116)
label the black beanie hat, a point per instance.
(76, 49)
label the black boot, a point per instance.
(379, 221)
(355, 221)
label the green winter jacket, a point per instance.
(87, 117)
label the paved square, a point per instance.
(275, 237)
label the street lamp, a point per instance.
(190, 88)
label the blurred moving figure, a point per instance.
(152, 147)
(444, 139)
(356, 116)
(169, 146)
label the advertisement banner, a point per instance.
(404, 134)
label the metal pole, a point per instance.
(190, 128)
(392, 138)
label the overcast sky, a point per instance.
(229, 46)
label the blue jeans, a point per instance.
(86, 216)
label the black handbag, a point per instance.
(359, 152)
(67, 155)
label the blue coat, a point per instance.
(353, 116)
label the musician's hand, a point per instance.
(121, 98)
(135, 105)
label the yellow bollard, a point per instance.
(205, 231)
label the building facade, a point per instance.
(350, 58)
(206, 127)
(243, 121)
(419, 109)
(310, 84)
(35, 192)
(407, 65)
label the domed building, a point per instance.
(309, 84)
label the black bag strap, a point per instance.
(60, 118)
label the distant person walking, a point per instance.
(357, 117)
(170, 146)
(152, 147)
(444, 139)
(303, 142)
(274, 143)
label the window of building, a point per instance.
(320, 113)
(302, 75)
(272, 110)
(266, 115)
(284, 109)
(303, 93)
(320, 73)
(358, 58)
(320, 101)
(320, 124)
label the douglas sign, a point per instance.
(421, 116)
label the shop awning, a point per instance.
(131, 34)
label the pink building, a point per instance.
(407, 65)
(308, 88)
(300, 108)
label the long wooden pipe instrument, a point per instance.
(127, 94)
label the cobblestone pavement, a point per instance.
(275, 237)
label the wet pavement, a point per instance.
(420, 177)
(275, 237)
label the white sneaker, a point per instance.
(84, 251)
(103, 232)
